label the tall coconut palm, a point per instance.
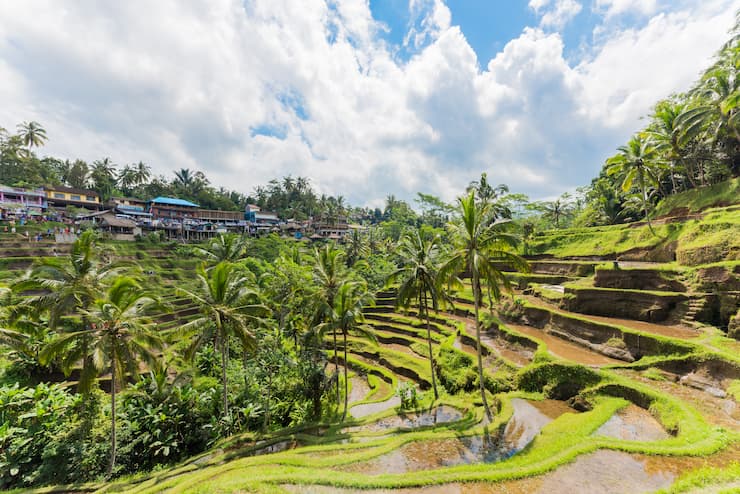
(127, 178)
(329, 272)
(118, 338)
(229, 306)
(356, 248)
(418, 278)
(142, 172)
(69, 286)
(637, 161)
(32, 134)
(103, 177)
(224, 248)
(351, 298)
(717, 107)
(666, 135)
(478, 244)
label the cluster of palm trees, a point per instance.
(89, 315)
(478, 246)
(691, 140)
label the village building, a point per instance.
(17, 201)
(59, 196)
(114, 225)
(171, 209)
(261, 222)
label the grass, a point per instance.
(724, 193)
(706, 240)
(227, 468)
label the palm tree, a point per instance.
(666, 135)
(32, 134)
(636, 161)
(419, 280)
(103, 176)
(718, 105)
(228, 306)
(69, 286)
(142, 172)
(224, 248)
(477, 245)
(557, 209)
(351, 298)
(127, 177)
(184, 177)
(118, 338)
(356, 247)
(329, 273)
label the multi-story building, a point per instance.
(171, 208)
(331, 227)
(20, 201)
(131, 206)
(60, 196)
(261, 221)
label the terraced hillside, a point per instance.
(603, 379)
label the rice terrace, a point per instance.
(160, 332)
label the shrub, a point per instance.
(409, 395)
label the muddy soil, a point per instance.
(565, 349)
(527, 421)
(633, 423)
(439, 415)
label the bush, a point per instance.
(409, 395)
(163, 423)
(556, 380)
(48, 435)
(456, 371)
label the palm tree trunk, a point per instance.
(425, 307)
(112, 413)
(336, 367)
(224, 359)
(645, 205)
(346, 380)
(266, 422)
(478, 346)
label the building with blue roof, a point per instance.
(171, 208)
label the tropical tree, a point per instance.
(667, 137)
(118, 337)
(329, 272)
(103, 176)
(478, 244)
(127, 178)
(636, 162)
(718, 105)
(229, 306)
(356, 247)
(418, 278)
(32, 134)
(68, 286)
(224, 248)
(142, 173)
(78, 174)
(351, 298)
(558, 209)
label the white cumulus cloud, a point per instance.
(250, 91)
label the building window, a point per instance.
(74, 198)
(58, 195)
(90, 198)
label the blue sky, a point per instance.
(365, 97)
(487, 25)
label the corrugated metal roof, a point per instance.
(173, 201)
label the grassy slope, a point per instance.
(721, 194)
(713, 238)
